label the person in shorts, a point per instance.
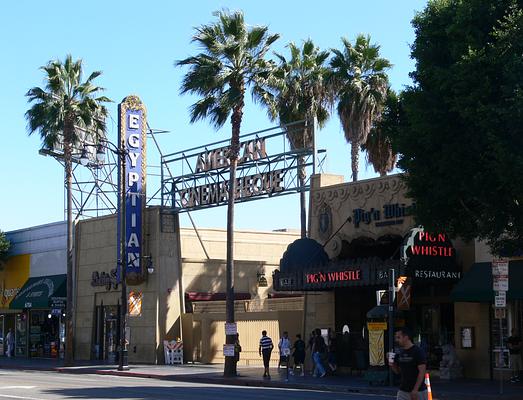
(299, 354)
(411, 364)
(265, 351)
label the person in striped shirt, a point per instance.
(265, 349)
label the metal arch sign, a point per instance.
(132, 133)
(266, 168)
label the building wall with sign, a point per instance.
(35, 252)
(178, 271)
(345, 215)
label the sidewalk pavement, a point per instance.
(463, 389)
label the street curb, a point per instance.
(251, 383)
(246, 382)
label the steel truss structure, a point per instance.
(95, 186)
(197, 178)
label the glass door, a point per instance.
(111, 334)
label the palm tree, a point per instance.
(378, 147)
(231, 61)
(63, 107)
(359, 74)
(301, 94)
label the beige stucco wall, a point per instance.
(96, 250)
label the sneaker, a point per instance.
(322, 375)
(268, 377)
(264, 375)
(302, 374)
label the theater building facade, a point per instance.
(182, 296)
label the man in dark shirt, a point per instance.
(514, 348)
(411, 363)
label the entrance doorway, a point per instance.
(107, 333)
(351, 307)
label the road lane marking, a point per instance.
(10, 396)
(18, 387)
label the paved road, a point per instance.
(17, 385)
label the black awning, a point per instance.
(476, 285)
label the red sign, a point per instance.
(337, 276)
(432, 245)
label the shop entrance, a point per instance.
(107, 333)
(351, 307)
(44, 334)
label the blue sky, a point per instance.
(135, 45)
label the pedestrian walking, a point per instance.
(411, 364)
(265, 350)
(299, 354)
(514, 348)
(331, 355)
(10, 340)
(284, 347)
(319, 350)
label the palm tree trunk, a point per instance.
(69, 358)
(236, 118)
(303, 212)
(355, 155)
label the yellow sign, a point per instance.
(377, 326)
(135, 304)
(13, 277)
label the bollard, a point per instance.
(427, 383)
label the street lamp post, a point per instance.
(121, 153)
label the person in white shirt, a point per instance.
(284, 345)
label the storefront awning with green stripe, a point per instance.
(476, 285)
(41, 292)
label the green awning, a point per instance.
(476, 285)
(41, 292)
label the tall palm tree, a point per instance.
(359, 74)
(301, 93)
(378, 147)
(63, 107)
(232, 60)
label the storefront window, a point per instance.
(44, 334)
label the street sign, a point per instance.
(500, 267)
(500, 313)
(228, 350)
(500, 283)
(500, 300)
(231, 328)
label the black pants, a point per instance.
(266, 353)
